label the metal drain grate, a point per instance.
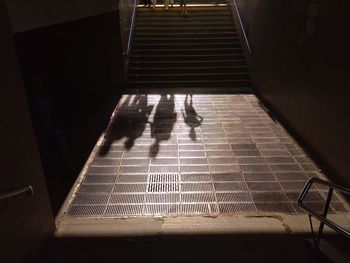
(130, 188)
(275, 207)
(233, 197)
(95, 188)
(195, 208)
(163, 183)
(269, 197)
(126, 210)
(93, 210)
(241, 161)
(236, 207)
(162, 209)
(163, 198)
(132, 178)
(198, 198)
(127, 199)
(163, 187)
(92, 199)
(163, 178)
(99, 179)
(339, 207)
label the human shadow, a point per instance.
(163, 122)
(191, 117)
(130, 122)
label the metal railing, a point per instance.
(323, 217)
(242, 27)
(24, 190)
(131, 27)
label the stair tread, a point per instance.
(187, 74)
(143, 27)
(184, 44)
(185, 23)
(188, 68)
(190, 61)
(185, 55)
(185, 38)
(190, 81)
(195, 49)
(182, 33)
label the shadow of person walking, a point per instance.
(191, 117)
(130, 121)
(163, 122)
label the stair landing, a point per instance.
(176, 155)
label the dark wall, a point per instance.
(300, 66)
(27, 15)
(27, 221)
(79, 65)
(79, 55)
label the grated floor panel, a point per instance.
(170, 155)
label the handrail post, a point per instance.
(325, 212)
(323, 217)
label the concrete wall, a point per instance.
(27, 15)
(300, 68)
(76, 47)
(28, 221)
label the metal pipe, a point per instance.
(131, 27)
(26, 189)
(322, 218)
(325, 212)
(242, 27)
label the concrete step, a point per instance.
(170, 57)
(177, 12)
(196, 8)
(182, 69)
(188, 46)
(219, 23)
(194, 51)
(204, 29)
(191, 82)
(241, 85)
(192, 63)
(187, 76)
(182, 19)
(175, 34)
(185, 40)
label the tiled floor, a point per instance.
(206, 154)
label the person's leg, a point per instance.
(166, 4)
(154, 3)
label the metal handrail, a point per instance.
(131, 27)
(242, 27)
(323, 217)
(26, 189)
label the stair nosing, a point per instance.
(188, 74)
(187, 81)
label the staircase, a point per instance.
(201, 50)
